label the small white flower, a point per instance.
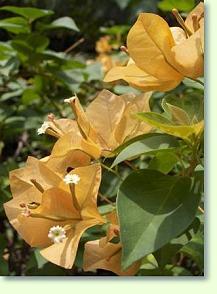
(57, 234)
(69, 100)
(71, 179)
(43, 128)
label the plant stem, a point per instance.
(130, 164)
(104, 198)
(201, 209)
(111, 170)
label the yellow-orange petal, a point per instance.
(178, 35)
(33, 230)
(104, 114)
(129, 126)
(140, 79)
(63, 164)
(63, 254)
(71, 141)
(149, 44)
(57, 203)
(198, 11)
(188, 56)
(107, 257)
(20, 179)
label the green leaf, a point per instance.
(150, 142)
(41, 261)
(122, 3)
(94, 71)
(177, 114)
(16, 25)
(29, 96)
(115, 30)
(164, 161)
(195, 249)
(29, 13)
(166, 254)
(183, 5)
(153, 208)
(193, 84)
(62, 22)
(37, 41)
(185, 132)
(191, 105)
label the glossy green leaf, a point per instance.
(183, 5)
(190, 107)
(150, 142)
(65, 22)
(164, 161)
(29, 13)
(16, 25)
(195, 249)
(41, 261)
(29, 95)
(185, 132)
(153, 208)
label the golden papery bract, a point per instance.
(106, 255)
(63, 254)
(70, 142)
(188, 56)
(178, 35)
(107, 122)
(149, 43)
(33, 230)
(140, 79)
(117, 122)
(129, 126)
(72, 159)
(87, 189)
(199, 12)
(57, 207)
(67, 125)
(162, 56)
(20, 179)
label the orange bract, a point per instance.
(105, 254)
(161, 56)
(50, 202)
(107, 122)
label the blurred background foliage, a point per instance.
(48, 55)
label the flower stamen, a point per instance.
(180, 20)
(37, 185)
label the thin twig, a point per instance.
(200, 209)
(111, 170)
(73, 46)
(104, 198)
(130, 164)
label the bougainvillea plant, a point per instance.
(155, 219)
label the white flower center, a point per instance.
(57, 234)
(71, 179)
(43, 128)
